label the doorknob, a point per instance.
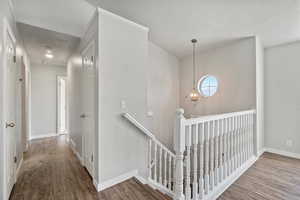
(82, 116)
(11, 125)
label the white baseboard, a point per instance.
(19, 167)
(73, 147)
(116, 180)
(230, 180)
(43, 136)
(283, 153)
(261, 152)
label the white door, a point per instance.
(88, 107)
(10, 113)
(61, 105)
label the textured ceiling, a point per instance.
(37, 40)
(213, 22)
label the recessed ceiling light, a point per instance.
(49, 55)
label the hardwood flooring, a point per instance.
(51, 171)
(272, 177)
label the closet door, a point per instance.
(88, 116)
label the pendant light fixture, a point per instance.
(194, 95)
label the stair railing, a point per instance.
(208, 150)
(161, 161)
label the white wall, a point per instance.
(282, 97)
(234, 67)
(122, 76)
(44, 99)
(162, 92)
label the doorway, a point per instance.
(62, 105)
(88, 106)
(9, 114)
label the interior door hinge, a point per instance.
(92, 158)
(15, 159)
(15, 59)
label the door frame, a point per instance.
(58, 78)
(90, 44)
(7, 32)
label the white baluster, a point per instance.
(195, 162)
(170, 171)
(221, 154)
(160, 165)
(235, 133)
(188, 163)
(173, 174)
(240, 133)
(240, 127)
(232, 144)
(165, 168)
(225, 147)
(206, 160)
(245, 138)
(212, 146)
(217, 124)
(155, 161)
(244, 134)
(251, 133)
(229, 147)
(201, 162)
(179, 145)
(150, 160)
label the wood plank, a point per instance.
(272, 177)
(51, 171)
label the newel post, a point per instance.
(179, 147)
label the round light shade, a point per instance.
(194, 95)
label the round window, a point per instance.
(208, 86)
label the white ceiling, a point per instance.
(37, 40)
(173, 23)
(64, 16)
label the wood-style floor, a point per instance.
(51, 171)
(272, 177)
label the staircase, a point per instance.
(211, 152)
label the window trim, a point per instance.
(200, 82)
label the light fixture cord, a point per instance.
(194, 68)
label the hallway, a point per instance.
(51, 171)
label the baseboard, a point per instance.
(43, 136)
(73, 147)
(114, 181)
(19, 167)
(261, 152)
(283, 153)
(230, 180)
(96, 185)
